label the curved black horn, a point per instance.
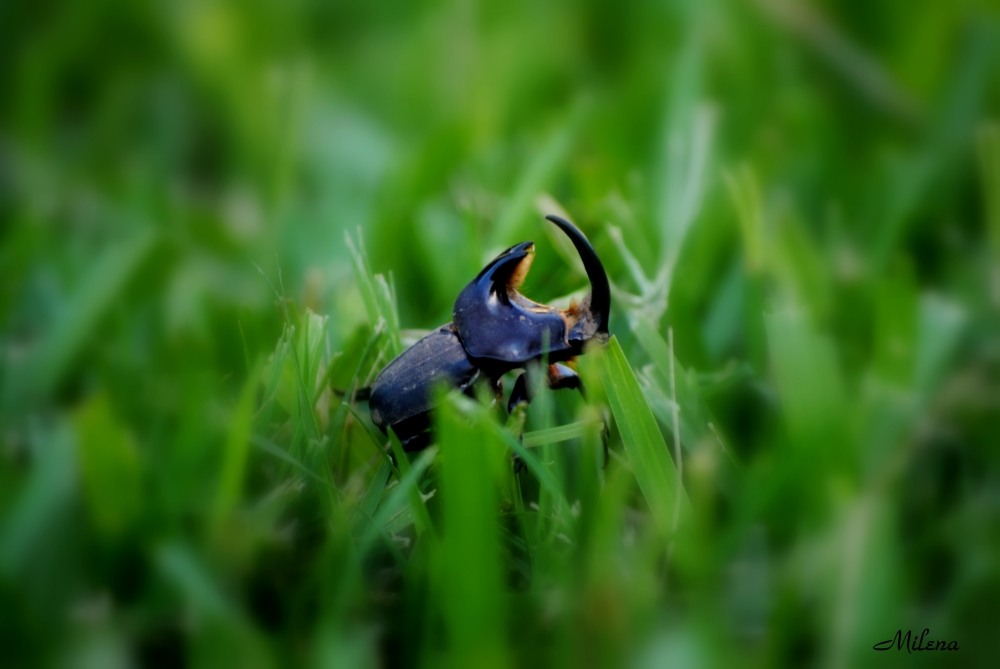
(600, 292)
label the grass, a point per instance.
(218, 222)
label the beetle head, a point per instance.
(496, 322)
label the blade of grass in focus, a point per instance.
(379, 299)
(647, 451)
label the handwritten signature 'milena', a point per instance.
(914, 643)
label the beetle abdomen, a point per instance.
(402, 389)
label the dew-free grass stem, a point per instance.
(675, 410)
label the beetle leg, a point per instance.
(518, 396)
(361, 394)
(416, 442)
(561, 376)
(605, 436)
(515, 424)
(520, 393)
(496, 385)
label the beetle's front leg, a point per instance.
(519, 394)
(560, 376)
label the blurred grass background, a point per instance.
(801, 200)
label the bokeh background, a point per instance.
(802, 198)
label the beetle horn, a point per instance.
(600, 291)
(503, 273)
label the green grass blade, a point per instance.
(306, 413)
(471, 601)
(942, 322)
(110, 469)
(651, 462)
(896, 308)
(401, 521)
(396, 500)
(544, 475)
(988, 147)
(271, 448)
(178, 564)
(273, 372)
(363, 276)
(808, 380)
(328, 373)
(234, 455)
(417, 504)
(818, 443)
(695, 418)
(484, 421)
(376, 440)
(372, 496)
(554, 435)
(387, 308)
(313, 345)
(48, 493)
(377, 295)
(745, 194)
(64, 341)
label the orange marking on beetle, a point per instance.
(516, 277)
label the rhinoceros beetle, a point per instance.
(495, 329)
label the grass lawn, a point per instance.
(219, 221)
